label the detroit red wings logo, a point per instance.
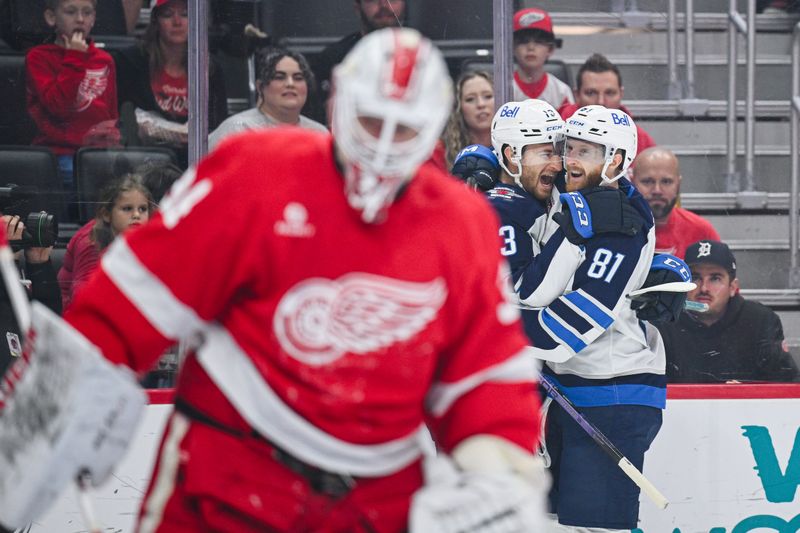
(319, 320)
(92, 85)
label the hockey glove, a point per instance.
(595, 211)
(663, 305)
(477, 166)
(500, 487)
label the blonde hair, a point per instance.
(456, 134)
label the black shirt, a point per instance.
(746, 344)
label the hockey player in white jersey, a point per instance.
(609, 363)
(527, 139)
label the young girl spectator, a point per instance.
(152, 78)
(283, 79)
(471, 120)
(72, 92)
(124, 204)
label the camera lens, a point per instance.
(43, 229)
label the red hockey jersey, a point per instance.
(72, 97)
(333, 338)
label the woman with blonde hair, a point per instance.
(471, 119)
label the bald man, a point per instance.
(657, 175)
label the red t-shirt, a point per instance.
(172, 95)
(682, 229)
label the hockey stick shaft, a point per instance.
(606, 445)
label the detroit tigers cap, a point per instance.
(713, 252)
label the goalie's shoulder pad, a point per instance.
(599, 210)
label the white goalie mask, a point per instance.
(391, 97)
(613, 129)
(519, 124)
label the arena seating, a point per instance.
(94, 167)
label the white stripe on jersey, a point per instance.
(171, 317)
(164, 485)
(517, 369)
(241, 382)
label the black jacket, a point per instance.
(44, 288)
(746, 344)
(322, 65)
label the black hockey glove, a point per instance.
(597, 210)
(662, 306)
(477, 166)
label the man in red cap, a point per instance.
(534, 43)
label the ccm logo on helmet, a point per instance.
(575, 123)
(509, 112)
(623, 120)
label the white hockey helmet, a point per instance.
(396, 80)
(611, 128)
(518, 124)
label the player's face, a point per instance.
(601, 88)
(531, 54)
(714, 287)
(173, 23)
(540, 166)
(71, 17)
(130, 209)
(288, 89)
(477, 105)
(378, 14)
(584, 162)
(658, 180)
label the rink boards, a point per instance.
(727, 457)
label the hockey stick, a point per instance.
(22, 312)
(606, 445)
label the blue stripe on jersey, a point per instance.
(568, 338)
(636, 389)
(570, 316)
(590, 308)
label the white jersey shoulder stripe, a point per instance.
(518, 368)
(171, 317)
(241, 382)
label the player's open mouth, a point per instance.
(546, 179)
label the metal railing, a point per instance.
(736, 25)
(794, 218)
(683, 92)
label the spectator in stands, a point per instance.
(283, 79)
(38, 277)
(124, 203)
(735, 339)
(534, 43)
(600, 82)
(373, 15)
(657, 175)
(152, 78)
(471, 119)
(71, 89)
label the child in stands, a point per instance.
(71, 86)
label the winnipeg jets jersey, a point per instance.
(593, 343)
(525, 223)
(332, 338)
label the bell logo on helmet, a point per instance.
(509, 112)
(620, 120)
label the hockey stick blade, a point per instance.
(606, 445)
(675, 286)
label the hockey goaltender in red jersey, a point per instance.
(344, 301)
